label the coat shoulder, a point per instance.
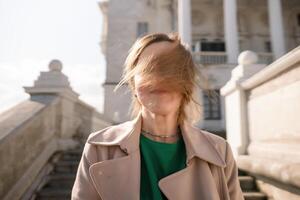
(217, 141)
(216, 138)
(102, 144)
(110, 135)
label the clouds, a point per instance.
(35, 32)
(85, 80)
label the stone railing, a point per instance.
(210, 57)
(215, 57)
(262, 122)
(33, 130)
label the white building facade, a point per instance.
(216, 31)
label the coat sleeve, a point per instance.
(231, 173)
(83, 188)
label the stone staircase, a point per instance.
(249, 188)
(59, 182)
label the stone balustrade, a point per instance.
(33, 130)
(262, 122)
(219, 57)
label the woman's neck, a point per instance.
(160, 125)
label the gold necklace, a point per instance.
(162, 136)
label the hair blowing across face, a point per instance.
(173, 68)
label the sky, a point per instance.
(33, 32)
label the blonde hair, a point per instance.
(176, 69)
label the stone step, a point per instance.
(60, 181)
(70, 157)
(254, 196)
(77, 151)
(53, 193)
(247, 183)
(241, 173)
(69, 166)
(65, 181)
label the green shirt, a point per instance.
(158, 160)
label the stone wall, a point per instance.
(31, 133)
(29, 128)
(52, 119)
(277, 102)
(273, 127)
(267, 129)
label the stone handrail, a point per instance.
(53, 119)
(31, 133)
(279, 172)
(27, 141)
(262, 121)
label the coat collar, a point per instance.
(127, 136)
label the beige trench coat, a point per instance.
(109, 168)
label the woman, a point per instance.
(159, 154)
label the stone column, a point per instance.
(231, 31)
(104, 8)
(276, 28)
(184, 21)
(236, 102)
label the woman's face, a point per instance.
(158, 100)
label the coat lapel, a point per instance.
(193, 182)
(119, 178)
(196, 180)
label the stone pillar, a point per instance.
(276, 28)
(104, 8)
(236, 102)
(231, 31)
(184, 21)
(54, 83)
